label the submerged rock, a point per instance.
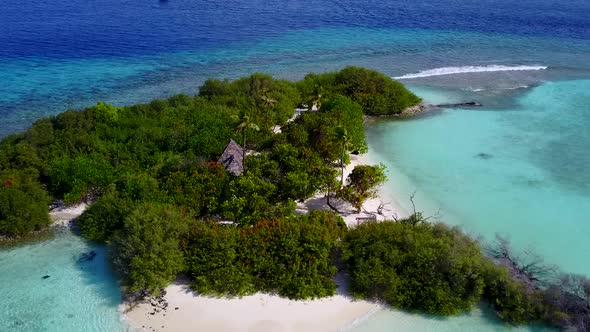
(414, 110)
(87, 256)
(483, 155)
(465, 104)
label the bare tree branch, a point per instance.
(412, 201)
(394, 217)
(382, 207)
(528, 267)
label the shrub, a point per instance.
(72, 178)
(362, 184)
(213, 261)
(511, 300)
(376, 93)
(429, 268)
(291, 257)
(146, 251)
(104, 217)
(23, 203)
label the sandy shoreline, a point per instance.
(187, 311)
(62, 216)
(390, 209)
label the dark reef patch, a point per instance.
(483, 155)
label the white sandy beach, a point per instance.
(63, 215)
(263, 312)
(390, 210)
(187, 311)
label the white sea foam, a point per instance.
(518, 87)
(467, 69)
(509, 88)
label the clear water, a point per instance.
(77, 296)
(62, 54)
(478, 320)
(532, 185)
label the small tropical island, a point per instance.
(212, 191)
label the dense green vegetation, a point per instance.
(151, 173)
(146, 250)
(376, 93)
(433, 268)
(291, 256)
(23, 203)
(424, 267)
(165, 148)
(158, 196)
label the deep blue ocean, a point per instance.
(67, 54)
(527, 61)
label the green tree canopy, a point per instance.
(426, 267)
(269, 101)
(349, 116)
(214, 260)
(376, 93)
(292, 256)
(362, 184)
(75, 177)
(105, 216)
(251, 198)
(200, 191)
(146, 250)
(23, 203)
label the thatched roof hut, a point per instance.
(232, 158)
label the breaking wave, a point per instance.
(467, 69)
(510, 88)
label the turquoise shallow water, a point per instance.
(78, 296)
(479, 319)
(532, 185)
(519, 171)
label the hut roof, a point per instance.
(232, 158)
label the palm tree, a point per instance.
(266, 100)
(267, 104)
(315, 98)
(342, 135)
(245, 124)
